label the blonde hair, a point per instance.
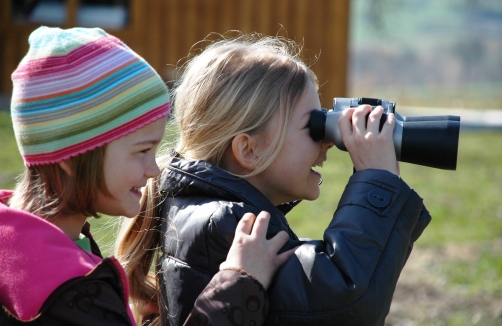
(137, 248)
(49, 192)
(236, 86)
(233, 86)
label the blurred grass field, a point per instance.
(457, 263)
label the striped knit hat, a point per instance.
(79, 89)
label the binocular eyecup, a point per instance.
(424, 140)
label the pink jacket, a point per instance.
(36, 258)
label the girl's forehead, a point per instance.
(309, 100)
(149, 134)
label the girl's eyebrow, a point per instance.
(148, 141)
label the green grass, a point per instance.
(465, 205)
(481, 277)
(11, 163)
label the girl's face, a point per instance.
(129, 163)
(291, 175)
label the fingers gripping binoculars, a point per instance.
(424, 140)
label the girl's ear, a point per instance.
(66, 168)
(244, 150)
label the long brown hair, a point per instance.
(49, 192)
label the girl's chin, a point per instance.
(313, 195)
(312, 198)
(127, 213)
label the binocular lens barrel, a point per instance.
(424, 140)
(432, 143)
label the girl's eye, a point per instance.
(145, 150)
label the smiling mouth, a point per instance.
(316, 165)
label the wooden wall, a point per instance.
(163, 32)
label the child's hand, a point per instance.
(253, 253)
(368, 147)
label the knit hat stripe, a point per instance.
(78, 89)
(129, 106)
(72, 103)
(49, 62)
(46, 82)
(98, 141)
(50, 42)
(49, 86)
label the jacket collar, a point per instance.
(191, 178)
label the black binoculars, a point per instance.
(424, 140)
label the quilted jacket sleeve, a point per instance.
(231, 298)
(349, 277)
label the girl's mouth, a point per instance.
(316, 165)
(136, 191)
(316, 172)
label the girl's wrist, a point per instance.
(243, 272)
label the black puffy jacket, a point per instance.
(348, 278)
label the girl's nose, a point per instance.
(326, 144)
(152, 170)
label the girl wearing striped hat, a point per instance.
(88, 115)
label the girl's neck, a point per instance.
(70, 225)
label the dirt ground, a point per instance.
(421, 297)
